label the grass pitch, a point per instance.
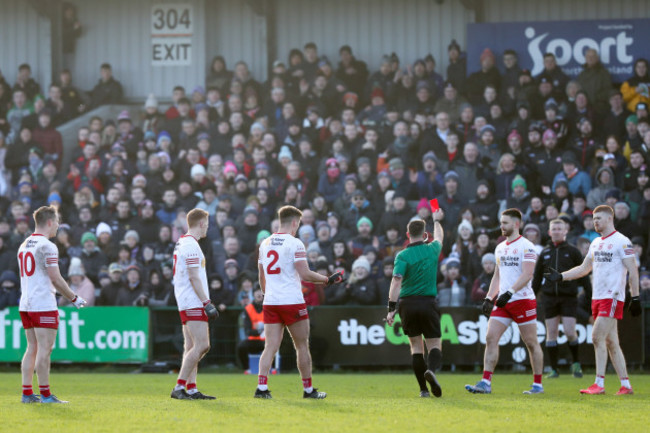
(356, 403)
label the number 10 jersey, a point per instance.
(35, 255)
(277, 255)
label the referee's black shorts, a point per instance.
(565, 306)
(420, 315)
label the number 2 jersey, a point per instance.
(35, 255)
(277, 255)
(609, 272)
(510, 260)
(188, 254)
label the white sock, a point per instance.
(177, 387)
(489, 382)
(192, 391)
(600, 381)
(308, 390)
(626, 382)
(262, 387)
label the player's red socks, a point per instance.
(45, 390)
(181, 382)
(537, 379)
(487, 376)
(306, 383)
(27, 390)
(191, 388)
(262, 382)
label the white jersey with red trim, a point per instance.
(510, 259)
(35, 255)
(188, 254)
(609, 272)
(277, 255)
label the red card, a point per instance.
(434, 204)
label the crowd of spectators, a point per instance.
(360, 152)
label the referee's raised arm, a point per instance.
(438, 231)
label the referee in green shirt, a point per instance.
(414, 280)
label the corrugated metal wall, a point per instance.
(118, 32)
(234, 31)
(550, 10)
(24, 38)
(411, 28)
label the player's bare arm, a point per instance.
(579, 271)
(261, 277)
(59, 283)
(195, 280)
(527, 272)
(308, 275)
(633, 275)
(393, 294)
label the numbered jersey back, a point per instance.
(277, 255)
(35, 255)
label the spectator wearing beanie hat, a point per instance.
(92, 257)
(519, 198)
(454, 290)
(487, 75)
(547, 160)
(481, 285)
(79, 284)
(330, 183)
(360, 289)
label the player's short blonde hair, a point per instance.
(195, 216)
(43, 214)
(605, 209)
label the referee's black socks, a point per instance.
(434, 359)
(419, 367)
(573, 347)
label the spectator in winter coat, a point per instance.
(108, 90)
(595, 80)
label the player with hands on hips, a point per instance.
(40, 278)
(194, 305)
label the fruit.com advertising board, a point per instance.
(619, 43)
(93, 334)
(358, 336)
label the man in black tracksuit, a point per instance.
(560, 299)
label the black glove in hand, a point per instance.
(335, 278)
(503, 299)
(488, 305)
(635, 306)
(553, 275)
(211, 311)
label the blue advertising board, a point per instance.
(619, 43)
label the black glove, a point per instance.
(211, 311)
(335, 278)
(635, 306)
(503, 299)
(488, 305)
(553, 275)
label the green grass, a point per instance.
(104, 402)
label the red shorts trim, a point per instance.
(193, 314)
(285, 314)
(607, 308)
(40, 319)
(521, 311)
